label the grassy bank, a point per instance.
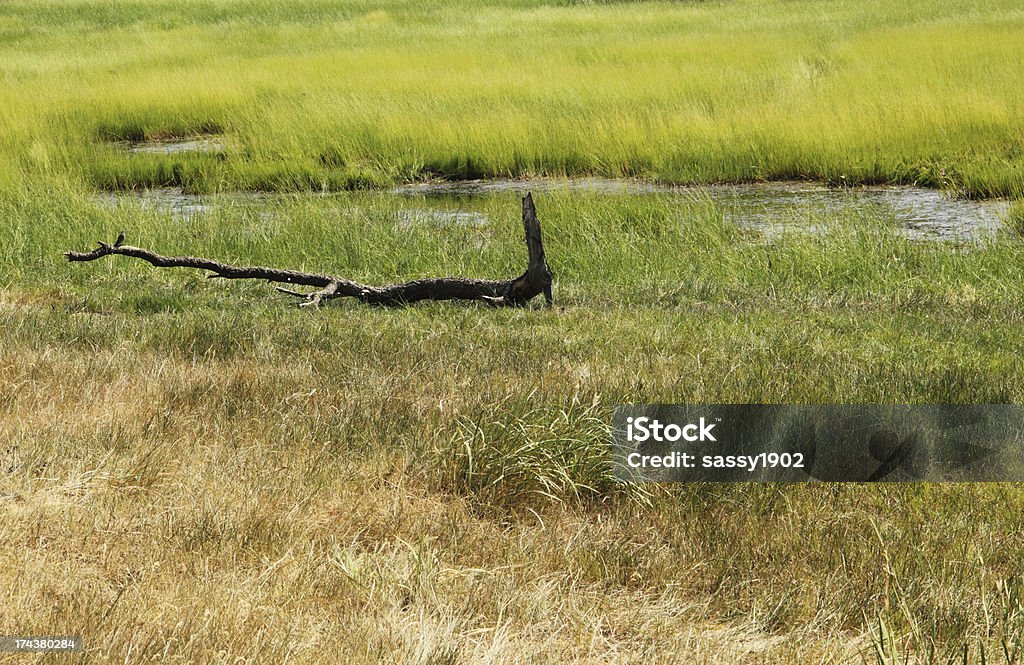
(337, 95)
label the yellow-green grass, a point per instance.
(322, 94)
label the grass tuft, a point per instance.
(537, 456)
(1015, 216)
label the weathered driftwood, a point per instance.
(510, 292)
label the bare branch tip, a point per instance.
(297, 294)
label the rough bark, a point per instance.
(513, 292)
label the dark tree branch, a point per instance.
(511, 292)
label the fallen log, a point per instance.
(514, 292)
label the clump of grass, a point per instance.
(917, 646)
(543, 455)
(1015, 216)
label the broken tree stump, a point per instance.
(514, 292)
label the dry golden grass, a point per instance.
(302, 505)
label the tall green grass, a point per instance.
(338, 95)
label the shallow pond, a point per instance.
(766, 208)
(772, 208)
(173, 146)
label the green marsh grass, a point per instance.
(1015, 217)
(327, 94)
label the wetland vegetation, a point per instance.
(192, 470)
